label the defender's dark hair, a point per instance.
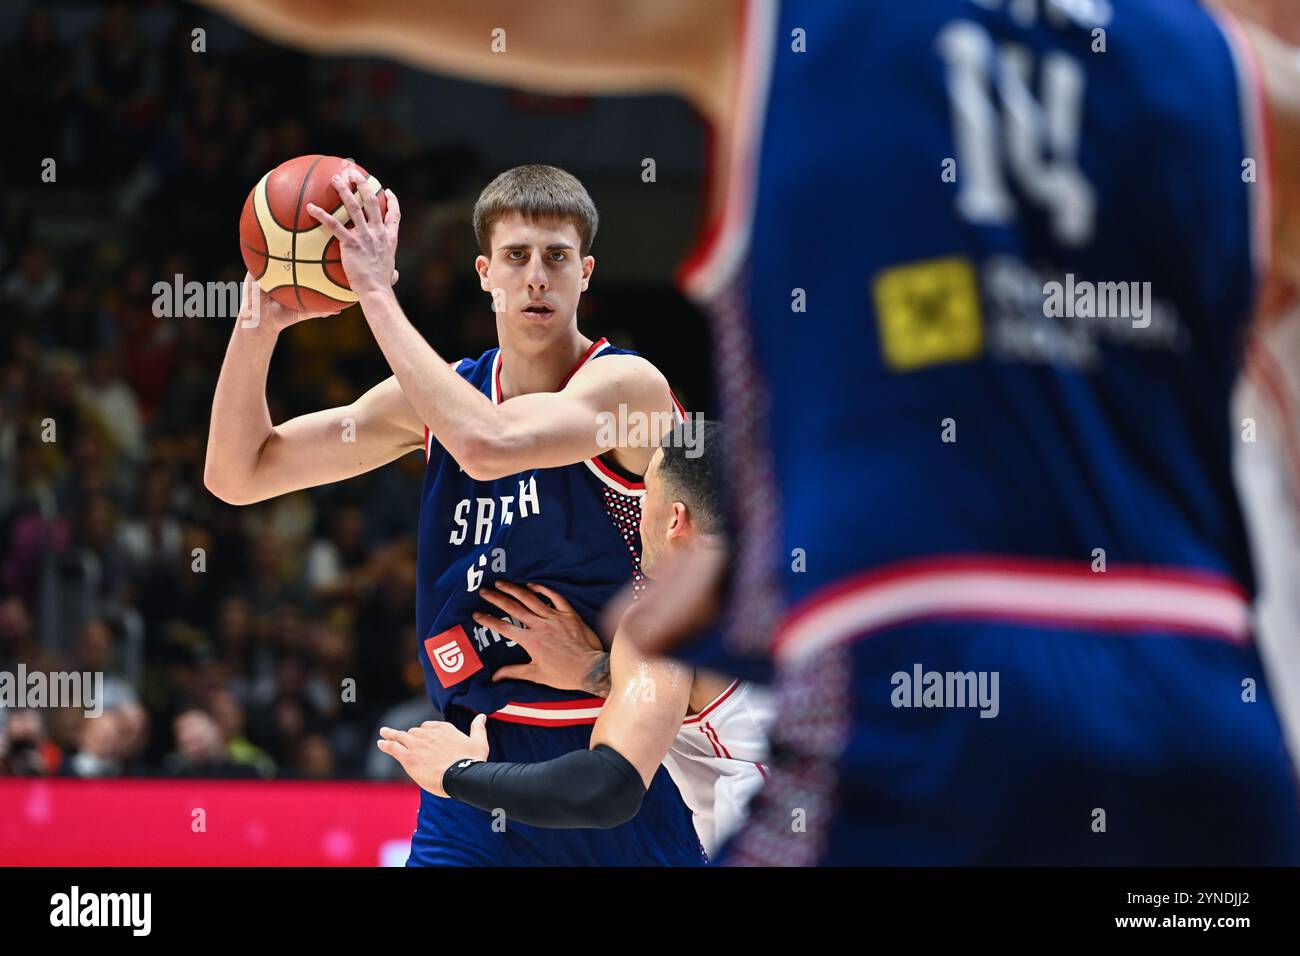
(535, 192)
(696, 481)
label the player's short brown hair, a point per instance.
(536, 192)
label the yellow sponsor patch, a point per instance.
(928, 313)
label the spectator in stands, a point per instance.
(200, 751)
(105, 392)
(133, 724)
(229, 716)
(25, 749)
(33, 288)
(95, 654)
(327, 571)
(315, 759)
(152, 535)
(99, 747)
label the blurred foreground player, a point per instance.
(991, 465)
(519, 476)
(709, 732)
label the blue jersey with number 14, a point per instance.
(979, 294)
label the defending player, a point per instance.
(708, 731)
(982, 471)
(520, 477)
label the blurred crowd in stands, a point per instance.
(251, 623)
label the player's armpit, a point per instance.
(619, 402)
(330, 445)
(647, 702)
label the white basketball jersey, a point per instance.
(718, 760)
(1267, 470)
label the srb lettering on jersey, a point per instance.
(488, 512)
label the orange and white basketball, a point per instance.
(288, 252)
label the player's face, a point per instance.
(655, 514)
(536, 275)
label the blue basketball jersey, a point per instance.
(574, 529)
(978, 292)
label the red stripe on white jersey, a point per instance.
(717, 741)
(704, 711)
(1045, 593)
(712, 743)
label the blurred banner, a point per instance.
(56, 822)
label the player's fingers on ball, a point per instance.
(525, 597)
(366, 196)
(332, 225)
(369, 201)
(349, 199)
(394, 215)
(556, 598)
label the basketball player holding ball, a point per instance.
(517, 480)
(1097, 139)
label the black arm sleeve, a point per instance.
(587, 788)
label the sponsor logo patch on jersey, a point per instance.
(928, 313)
(452, 656)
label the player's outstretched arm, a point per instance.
(601, 787)
(541, 430)
(578, 46)
(582, 420)
(598, 788)
(250, 459)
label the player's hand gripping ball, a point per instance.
(293, 254)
